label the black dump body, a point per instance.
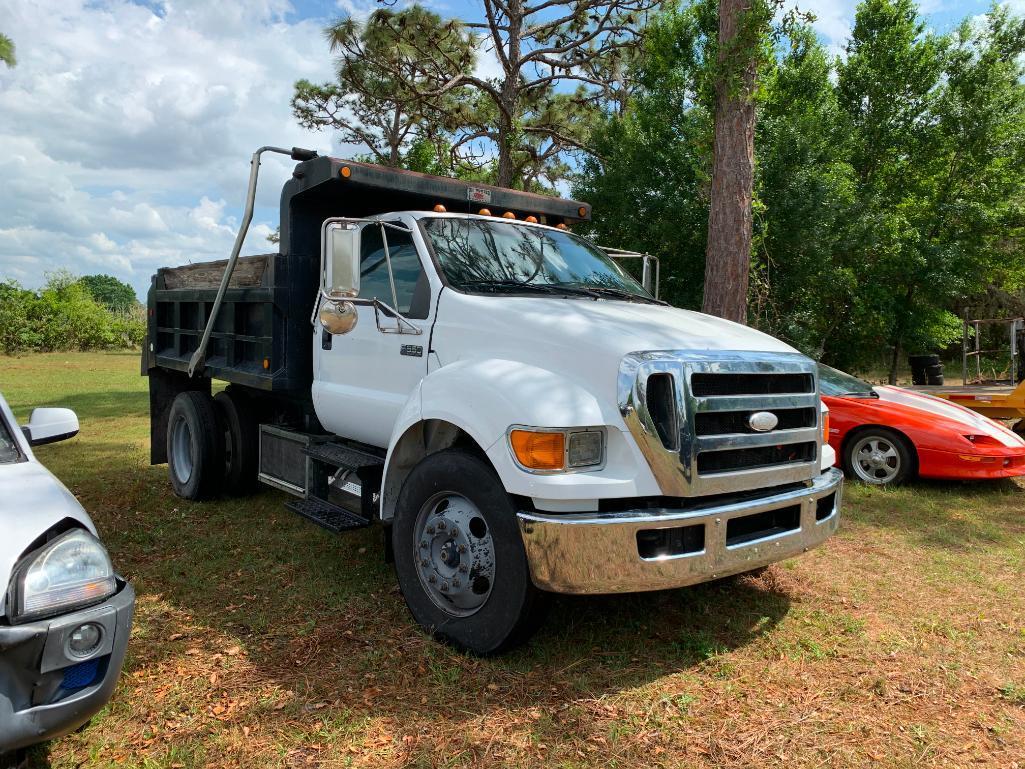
(262, 337)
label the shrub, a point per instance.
(63, 315)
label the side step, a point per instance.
(342, 456)
(330, 516)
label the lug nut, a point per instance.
(444, 587)
(423, 562)
(441, 526)
(463, 569)
(430, 529)
(462, 548)
(432, 579)
(423, 543)
(455, 582)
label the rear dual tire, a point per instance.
(212, 445)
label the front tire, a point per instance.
(459, 556)
(195, 447)
(879, 457)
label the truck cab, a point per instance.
(518, 412)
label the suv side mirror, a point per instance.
(340, 257)
(50, 426)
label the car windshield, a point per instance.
(8, 447)
(837, 383)
(480, 256)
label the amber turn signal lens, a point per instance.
(266, 364)
(537, 450)
(345, 172)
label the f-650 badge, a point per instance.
(412, 350)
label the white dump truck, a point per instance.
(519, 414)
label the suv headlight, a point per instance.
(70, 572)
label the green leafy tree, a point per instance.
(7, 51)
(386, 67)
(109, 291)
(936, 147)
(647, 175)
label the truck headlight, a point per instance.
(554, 450)
(70, 572)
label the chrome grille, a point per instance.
(710, 404)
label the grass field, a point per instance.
(263, 641)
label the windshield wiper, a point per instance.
(619, 293)
(554, 289)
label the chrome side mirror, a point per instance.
(338, 317)
(340, 257)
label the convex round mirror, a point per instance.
(338, 317)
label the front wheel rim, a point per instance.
(181, 449)
(876, 460)
(454, 554)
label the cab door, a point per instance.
(363, 378)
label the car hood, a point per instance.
(954, 416)
(32, 501)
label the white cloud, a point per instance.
(126, 131)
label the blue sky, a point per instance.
(126, 127)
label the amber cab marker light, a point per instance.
(440, 209)
(582, 211)
(531, 219)
(561, 226)
(345, 172)
(484, 212)
(266, 364)
(508, 215)
(539, 450)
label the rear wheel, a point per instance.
(460, 558)
(879, 457)
(195, 447)
(241, 442)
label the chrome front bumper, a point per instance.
(600, 552)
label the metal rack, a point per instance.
(971, 346)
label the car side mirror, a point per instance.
(340, 257)
(51, 425)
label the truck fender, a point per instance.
(477, 401)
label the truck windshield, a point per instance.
(480, 256)
(837, 384)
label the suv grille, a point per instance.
(691, 414)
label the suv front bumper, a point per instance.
(46, 691)
(657, 549)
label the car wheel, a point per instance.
(195, 446)
(241, 442)
(459, 556)
(879, 457)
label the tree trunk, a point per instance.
(728, 253)
(894, 361)
(509, 94)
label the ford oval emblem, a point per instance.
(763, 421)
